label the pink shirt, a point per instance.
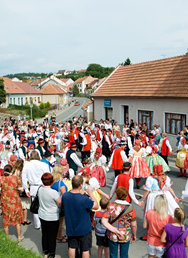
(156, 227)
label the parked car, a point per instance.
(77, 103)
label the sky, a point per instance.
(47, 36)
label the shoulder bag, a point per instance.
(165, 253)
(35, 203)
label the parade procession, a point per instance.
(66, 167)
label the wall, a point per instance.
(158, 106)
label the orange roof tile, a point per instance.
(155, 79)
(38, 81)
(87, 104)
(81, 79)
(11, 87)
(27, 88)
(52, 89)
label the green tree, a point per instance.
(75, 91)
(42, 105)
(2, 91)
(127, 61)
(47, 105)
(95, 70)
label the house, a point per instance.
(36, 82)
(31, 94)
(154, 92)
(55, 94)
(18, 93)
(90, 86)
(63, 72)
(88, 110)
(82, 82)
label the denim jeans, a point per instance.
(124, 248)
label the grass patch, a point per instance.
(9, 249)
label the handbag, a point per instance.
(61, 211)
(35, 203)
(165, 253)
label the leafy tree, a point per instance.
(42, 105)
(187, 52)
(47, 105)
(127, 61)
(75, 91)
(95, 70)
(2, 92)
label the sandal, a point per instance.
(20, 238)
(27, 222)
(63, 240)
(64, 236)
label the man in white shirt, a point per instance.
(73, 159)
(32, 172)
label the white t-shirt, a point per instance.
(48, 209)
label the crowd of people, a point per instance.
(66, 165)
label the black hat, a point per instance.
(47, 154)
(126, 165)
(24, 141)
(73, 145)
(122, 142)
(40, 140)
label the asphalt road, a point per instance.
(138, 249)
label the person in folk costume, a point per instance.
(80, 139)
(64, 147)
(30, 136)
(73, 159)
(53, 160)
(139, 167)
(94, 144)
(110, 136)
(117, 158)
(181, 160)
(71, 134)
(166, 148)
(88, 179)
(30, 148)
(46, 159)
(45, 137)
(153, 158)
(105, 144)
(126, 181)
(157, 184)
(129, 142)
(151, 136)
(23, 150)
(40, 148)
(12, 161)
(86, 151)
(68, 173)
(98, 133)
(52, 141)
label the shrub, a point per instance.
(42, 105)
(47, 105)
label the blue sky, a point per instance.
(46, 35)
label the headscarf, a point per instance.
(159, 175)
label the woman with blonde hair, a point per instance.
(60, 187)
(25, 201)
(175, 236)
(154, 221)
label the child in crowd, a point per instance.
(102, 240)
(176, 231)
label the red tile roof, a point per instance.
(12, 87)
(38, 81)
(81, 79)
(27, 88)
(155, 79)
(52, 89)
(87, 104)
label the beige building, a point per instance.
(82, 82)
(154, 92)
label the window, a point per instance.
(146, 117)
(38, 99)
(10, 100)
(18, 101)
(14, 101)
(174, 123)
(108, 112)
(22, 101)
